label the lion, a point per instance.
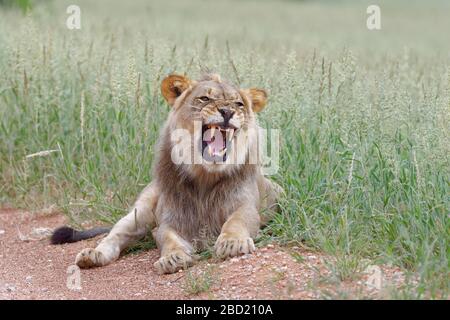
(223, 197)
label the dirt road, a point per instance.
(34, 269)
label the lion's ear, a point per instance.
(258, 98)
(173, 86)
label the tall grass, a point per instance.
(364, 117)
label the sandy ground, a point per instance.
(34, 269)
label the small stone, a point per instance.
(2, 232)
(271, 246)
(29, 278)
(41, 233)
(234, 260)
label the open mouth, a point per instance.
(216, 141)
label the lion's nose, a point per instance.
(226, 114)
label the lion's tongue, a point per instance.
(216, 146)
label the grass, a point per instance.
(364, 115)
(142, 245)
(202, 281)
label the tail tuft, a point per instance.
(63, 235)
(68, 235)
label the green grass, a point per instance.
(364, 115)
(199, 282)
(142, 245)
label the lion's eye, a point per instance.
(203, 99)
(239, 104)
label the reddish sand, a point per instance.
(34, 269)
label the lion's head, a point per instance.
(212, 123)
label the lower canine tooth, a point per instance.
(231, 132)
(221, 153)
(210, 152)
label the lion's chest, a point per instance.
(198, 217)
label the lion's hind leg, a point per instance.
(134, 226)
(270, 193)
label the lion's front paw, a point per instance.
(89, 258)
(232, 245)
(174, 261)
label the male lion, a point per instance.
(224, 195)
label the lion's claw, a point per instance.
(230, 246)
(89, 258)
(173, 262)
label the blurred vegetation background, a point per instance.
(364, 115)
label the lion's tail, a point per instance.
(68, 235)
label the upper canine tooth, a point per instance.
(221, 153)
(231, 131)
(213, 130)
(210, 151)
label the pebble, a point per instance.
(234, 260)
(2, 231)
(29, 278)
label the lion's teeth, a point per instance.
(213, 130)
(231, 132)
(210, 151)
(221, 153)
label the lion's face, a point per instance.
(219, 118)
